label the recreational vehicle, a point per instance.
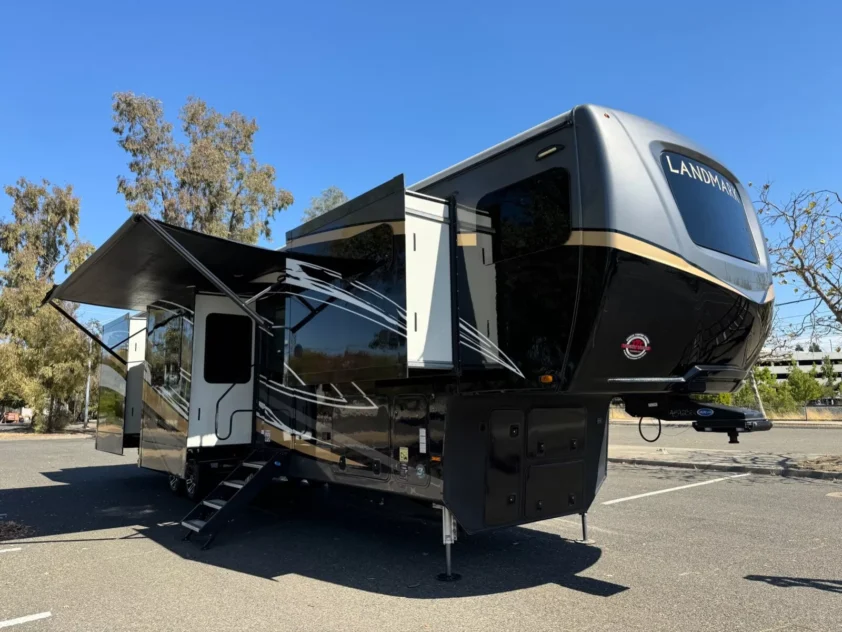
(457, 341)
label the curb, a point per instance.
(715, 467)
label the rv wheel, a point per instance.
(176, 484)
(192, 480)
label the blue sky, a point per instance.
(352, 94)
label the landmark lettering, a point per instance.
(698, 172)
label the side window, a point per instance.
(228, 348)
(530, 215)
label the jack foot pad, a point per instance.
(444, 577)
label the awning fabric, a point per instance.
(136, 267)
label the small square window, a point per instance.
(228, 349)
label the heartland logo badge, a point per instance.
(704, 412)
(636, 346)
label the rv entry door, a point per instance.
(222, 389)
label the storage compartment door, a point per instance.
(554, 489)
(505, 458)
(557, 433)
(428, 314)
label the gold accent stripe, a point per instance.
(342, 233)
(618, 241)
(604, 239)
(770, 294)
(466, 239)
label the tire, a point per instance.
(176, 484)
(193, 481)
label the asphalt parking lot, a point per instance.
(745, 552)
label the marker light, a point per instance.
(549, 151)
(546, 379)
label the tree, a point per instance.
(44, 357)
(211, 183)
(805, 251)
(745, 397)
(778, 397)
(828, 374)
(815, 348)
(803, 386)
(326, 201)
(799, 348)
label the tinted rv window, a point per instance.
(710, 206)
(530, 215)
(227, 349)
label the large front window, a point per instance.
(710, 205)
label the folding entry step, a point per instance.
(234, 493)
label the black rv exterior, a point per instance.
(460, 341)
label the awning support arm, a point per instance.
(281, 280)
(85, 330)
(199, 266)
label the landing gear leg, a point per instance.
(733, 436)
(208, 542)
(585, 539)
(449, 531)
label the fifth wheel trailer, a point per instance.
(457, 341)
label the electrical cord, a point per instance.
(640, 430)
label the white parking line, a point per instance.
(32, 617)
(673, 489)
(10, 550)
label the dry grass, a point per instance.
(12, 436)
(11, 530)
(822, 464)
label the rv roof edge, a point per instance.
(539, 130)
(424, 196)
(361, 201)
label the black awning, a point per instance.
(137, 267)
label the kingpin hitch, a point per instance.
(705, 417)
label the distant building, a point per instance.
(781, 366)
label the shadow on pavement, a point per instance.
(321, 533)
(829, 585)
